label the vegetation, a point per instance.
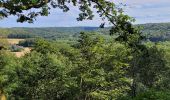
(91, 66)
(27, 43)
(15, 48)
(154, 32)
(3, 43)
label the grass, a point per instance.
(14, 41)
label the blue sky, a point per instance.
(145, 11)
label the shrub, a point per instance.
(27, 43)
(15, 48)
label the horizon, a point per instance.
(77, 26)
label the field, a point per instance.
(14, 41)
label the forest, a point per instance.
(120, 62)
(92, 67)
(154, 32)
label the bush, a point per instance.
(15, 48)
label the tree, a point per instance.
(99, 69)
(8, 73)
(4, 43)
(43, 76)
(44, 46)
(90, 54)
(152, 66)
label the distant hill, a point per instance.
(45, 32)
(156, 31)
(153, 31)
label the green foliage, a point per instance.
(153, 32)
(8, 73)
(91, 68)
(151, 95)
(27, 43)
(152, 66)
(44, 47)
(43, 77)
(106, 9)
(4, 43)
(156, 31)
(52, 33)
(95, 69)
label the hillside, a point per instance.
(156, 31)
(45, 32)
(153, 31)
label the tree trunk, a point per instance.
(2, 95)
(133, 88)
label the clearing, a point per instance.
(15, 42)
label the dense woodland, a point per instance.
(92, 66)
(121, 62)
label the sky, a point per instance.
(144, 11)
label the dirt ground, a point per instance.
(22, 53)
